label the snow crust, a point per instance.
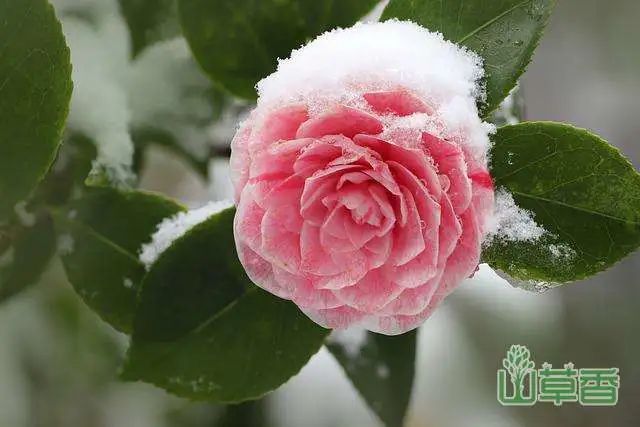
(512, 223)
(342, 64)
(352, 340)
(171, 229)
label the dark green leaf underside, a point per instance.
(150, 21)
(204, 331)
(238, 42)
(30, 253)
(382, 371)
(35, 89)
(579, 188)
(505, 33)
(104, 231)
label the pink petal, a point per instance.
(261, 272)
(342, 121)
(280, 237)
(408, 240)
(333, 233)
(415, 160)
(399, 102)
(450, 230)
(239, 162)
(466, 256)
(450, 161)
(282, 124)
(483, 194)
(315, 259)
(320, 185)
(370, 294)
(248, 220)
(307, 296)
(378, 250)
(386, 209)
(318, 155)
(335, 318)
(413, 301)
(396, 325)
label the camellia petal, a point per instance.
(364, 201)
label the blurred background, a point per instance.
(58, 361)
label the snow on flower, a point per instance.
(361, 177)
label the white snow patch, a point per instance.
(562, 251)
(512, 223)
(507, 107)
(26, 218)
(99, 105)
(175, 227)
(376, 12)
(341, 65)
(66, 244)
(127, 283)
(6, 259)
(351, 339)
(382, 371)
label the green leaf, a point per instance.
(204, 331)
(27, 256)
(149, 21)
(35, 89)
(238, 42)
(505, 33)
(579, 188)
(100, 237)
(67, 175)
(382, 371)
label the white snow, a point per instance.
(127, 283)
(6, 259)
(26, 218)
(382, 371)
(99, 105)
(340, 65)
(562, 251)
(506, 108)
(175, 227)
(162, 88)
(512, 223)
(376, 12)
(66, 244)
(352, 340)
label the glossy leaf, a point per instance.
(67, 175)
(150, 21)
(27, 255)
(580, 189)
(505, 33)
(35, 89)
(238, 42)
(382, 370)
(99, 239)
(204, 331)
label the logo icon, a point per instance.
(527, 385)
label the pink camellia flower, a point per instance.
(361, 199)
